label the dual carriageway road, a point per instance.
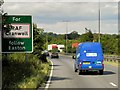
(63, 76)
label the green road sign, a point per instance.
(17, 34)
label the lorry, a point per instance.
(89, 57)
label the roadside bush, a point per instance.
(21, 73)
(43, 57)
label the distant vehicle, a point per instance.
(46, 53)
(54, 55)
(89, 56)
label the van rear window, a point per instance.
(91, 54)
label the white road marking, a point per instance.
(113, 84)
(49, 80)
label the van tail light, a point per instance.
(103, 63)
(80, 63)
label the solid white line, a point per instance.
(113, 84)
(49, 80)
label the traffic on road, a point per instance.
(63, 76)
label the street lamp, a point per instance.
(87, 30)
(46, 38)
(99, 22)
(46, 41)
(1, 12)
(66, 37)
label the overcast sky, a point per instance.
(80, 15)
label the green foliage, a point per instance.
(55, 38)
(87, 37)
(73, 35)
(39, 40)
(54, 50)
(109, 42)
(118, 44)
(73, 50)
(19, 73)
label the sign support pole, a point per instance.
(1, 51)
(26, 57)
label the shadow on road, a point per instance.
(89, 73)
(55, 69)
(96, 73)
(55, 65)
(60, 78)
(108, 73)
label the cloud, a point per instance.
(62, 1)
(62, 10)
(107, 26)
(82, 14)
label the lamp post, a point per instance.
(46, 41)
(1, 12)
(66, 36)
(99, 22)
(87, 30)
(46, 38)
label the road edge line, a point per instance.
(113, 84)
(50, 76)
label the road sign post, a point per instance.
(17, 34)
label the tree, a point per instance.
(39, 40)
(109, 43)
(87, 37)
(73, 35)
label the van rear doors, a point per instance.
(90, 57)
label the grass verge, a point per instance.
(19, 73)
(112, 63)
